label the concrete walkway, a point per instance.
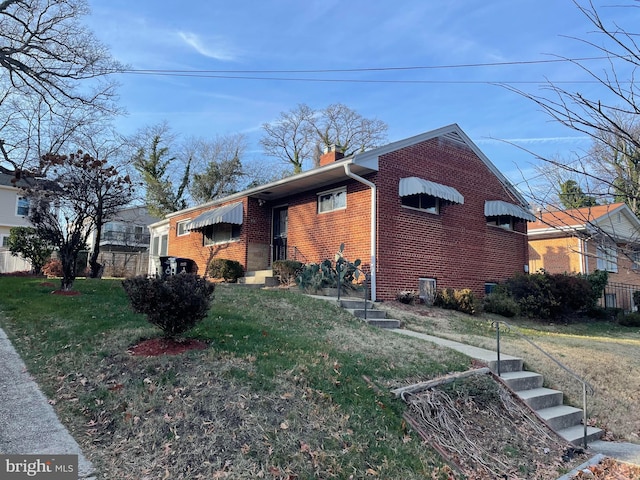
(626, 452)
(28, 423)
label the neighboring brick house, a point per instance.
(430, 211)
(582, 240)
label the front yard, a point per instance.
(290, 387)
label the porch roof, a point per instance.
(494, 208)
(231, 213)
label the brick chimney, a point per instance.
(331, 154)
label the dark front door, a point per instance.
(280, 225)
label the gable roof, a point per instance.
(361, 164)
(615, 219)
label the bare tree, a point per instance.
(54, 77)
(80, 194)
(290, 138)
(217, 166)
(302, 133)
(340, 125)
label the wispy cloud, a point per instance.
(535, 140)
(211, 49)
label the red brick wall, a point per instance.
(318, 235)
(456, 247)
(255, 229)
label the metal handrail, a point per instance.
(586, 386)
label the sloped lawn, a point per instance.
(289, 387)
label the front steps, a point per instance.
(548, 405)
(259, 278)
(370, 314)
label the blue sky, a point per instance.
(259, 36)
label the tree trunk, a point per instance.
(68, 259)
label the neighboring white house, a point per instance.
(14, 212)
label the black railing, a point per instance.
(619, 296)
(587, 389)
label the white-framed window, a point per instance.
(4, 241)
(427, 289)
(607, 258)
(423, 202)
(181, 228)
(221, 233)
(332, 200)
(160, 245)
(489, 287)
(22, 207)
(502, 221)
(635, 258)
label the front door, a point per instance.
(280, 225)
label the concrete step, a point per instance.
(539, 398)
(561, 417)
(575, 434)
(522, 380)
(370, 313)
(383, 322)
(259, 277)
(356, 303)
(506, 365)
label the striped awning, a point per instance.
(415, 185)
(231, 213)
(495, 208)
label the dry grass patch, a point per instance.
(604, 354)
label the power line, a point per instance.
(374, 69)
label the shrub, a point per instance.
(327, 274)
(461, 300)
(228, 270)
(53, 268)
(408, 297)
(629, 319)
(501, 303)
(174, 304)
(286, 270)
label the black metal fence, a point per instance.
(619, 296)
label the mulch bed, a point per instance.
(166, 346)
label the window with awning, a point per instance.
(227, 214)
(419, 186)
(498, 208)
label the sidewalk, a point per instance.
(28, 423)
(623, 451)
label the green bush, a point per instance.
(174, 304)
(286, 270)
(501, 303)
(227, 270)
(460, 300)
(629, 319)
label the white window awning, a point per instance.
(231, 213)
(496, 208)
(415, 185)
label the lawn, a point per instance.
(290, 387)
(603, 353)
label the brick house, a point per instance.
(426, 212)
